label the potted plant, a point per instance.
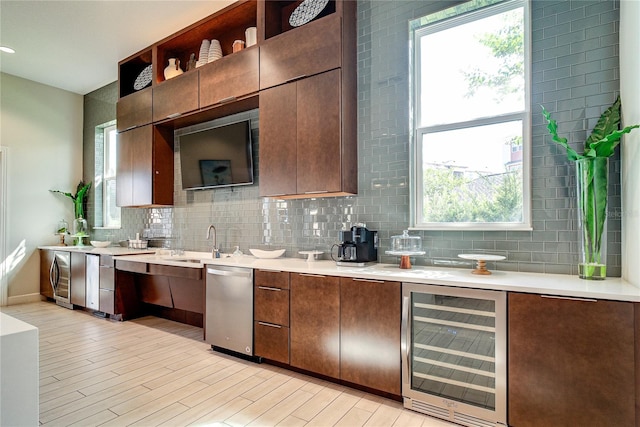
(591, 186)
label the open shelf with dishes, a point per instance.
(285, 15)
(135, 73)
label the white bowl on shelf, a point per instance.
(259, 253)
(100, 243)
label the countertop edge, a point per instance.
(558, 285)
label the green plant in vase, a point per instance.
(591, 186)
(79, 202)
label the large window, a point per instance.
(470, 117)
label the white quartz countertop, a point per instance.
(547, 284)
(110, 250)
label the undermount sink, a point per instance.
(192, 260)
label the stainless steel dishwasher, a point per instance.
(229, 309)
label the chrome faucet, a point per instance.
(215, 253)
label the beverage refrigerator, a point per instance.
(454, 353)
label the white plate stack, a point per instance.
(215, 51)
(204, 53)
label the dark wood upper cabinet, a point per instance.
(176, 96)
(230, 78)
(303, 149)
(571, 362)
(134, 110)
(315, 324)
(278, 140)
(370, 312)
(310, 49)
(145, 167)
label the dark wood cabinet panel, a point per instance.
(176, 96)
(145, 167)
(370, 313)
(278, 140)
(271, 341)
(230, 77)
(571, 362)
(271, 305)
(134, 110)
(131, 266)
(187, 294)
(154, 290)
(319, 134)
(78, 279)
(315, 324)
(46, 258)
(310, 49)
(274, 279)
(271, 315)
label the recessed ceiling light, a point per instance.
(6, 49)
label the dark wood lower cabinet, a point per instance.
(271, 315)
(315, 324)
(46, 258)
(572, 362)
(370, 312)
(271, 341)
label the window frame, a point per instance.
(103, 177)
(416, 133)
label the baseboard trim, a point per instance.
(23, 299)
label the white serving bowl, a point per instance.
(99, 243)
(258, 253)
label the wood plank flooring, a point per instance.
(155, 372)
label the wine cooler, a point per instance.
(454, 348)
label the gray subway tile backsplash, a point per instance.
(575, 75)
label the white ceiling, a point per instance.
(76, 45)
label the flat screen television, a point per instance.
(216, 157)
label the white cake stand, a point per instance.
(481, 265)
(311, 255)
(405, 261)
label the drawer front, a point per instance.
(271, 342)
(106, 260)
(271, 305)
(229, 78)
(107, 301)
(310, 49)
(272, 279)
(107, 280)
(176, 96)
(134, 110)
(132, 266)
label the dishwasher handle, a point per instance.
(217, 272)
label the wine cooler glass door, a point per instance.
(455, 353)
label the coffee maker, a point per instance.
(358, 246)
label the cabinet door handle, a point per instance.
(174, 115)
(569, 298)
(367, 280)
(301, 76)
(270, 271)
(271, 325)
(311, 275)
(266, 288)
(227, 99)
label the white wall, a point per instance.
(42, 128)
(630, 146)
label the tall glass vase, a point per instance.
(591, 194)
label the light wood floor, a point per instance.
(152, 371)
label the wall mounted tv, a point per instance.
(216, 157)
